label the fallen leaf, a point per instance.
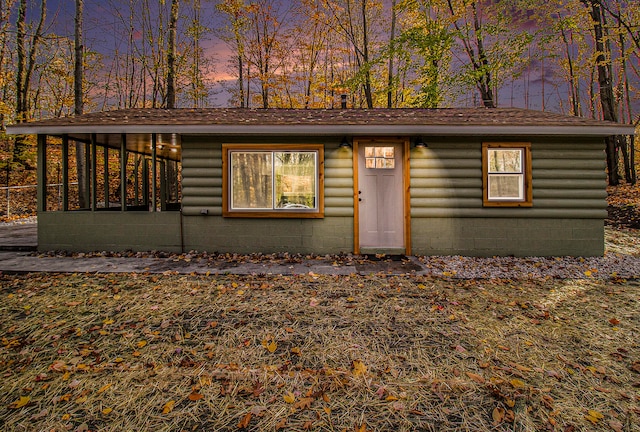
(304, 403)
(594, 416)
(104, 388)
(107, 411)
(289, 398)
(281, 424)
(108, 321)
(498, 415)
(359, 368)
(141, 344)
(477, 378)
(194, 396)
(20, 402)
(362, 428)
(40, 415)
(616, 426)
(516, 383)
(242, 424)
(257, 410)
(168, 407)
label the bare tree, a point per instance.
(605, 84)
(78, 75)
(25, 67)
(171, 55)
(235, 37)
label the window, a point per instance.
(506, 174)
(379, 157)
(279, 181)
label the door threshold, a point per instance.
(382, 251)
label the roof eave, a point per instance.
(293, 130)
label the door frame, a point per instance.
(406, 179)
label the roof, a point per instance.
(239, 121)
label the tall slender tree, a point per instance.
(25, 66)
(171, 55)
(605, 84)
(78, 82)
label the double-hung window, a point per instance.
(506, 174)
(273, 181)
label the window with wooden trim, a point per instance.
(273, 181)
(506, 174)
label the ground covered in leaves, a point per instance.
(326, 353)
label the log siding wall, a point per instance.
(569, 181)
(569, 202)
(202, 198)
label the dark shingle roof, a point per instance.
(450, 121)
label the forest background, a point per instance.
(576, 57)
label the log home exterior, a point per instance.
(478, 182)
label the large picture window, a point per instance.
(279, 181)
(506, 174)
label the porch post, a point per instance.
(87, 174)
(105, 164)
(154, 171)
(65, 172)
(163, 185)
(145, 182)
(42, 174)
(136, 176)
(94, 174)
(123, 172)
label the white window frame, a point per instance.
(524, 198)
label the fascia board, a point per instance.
(294, 130)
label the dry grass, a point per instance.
(110, 353)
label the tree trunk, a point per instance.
(26, 64)
(391, 55)
(484, 81)
(78, 78)
(171, 55)
(365, 56)
(605, 84)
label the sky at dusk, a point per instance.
(103, 33)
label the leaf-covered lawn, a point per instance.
(169, 353)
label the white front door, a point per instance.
(380, 203)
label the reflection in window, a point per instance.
(506, 178)
(505, 175)
(379, 157)
(274, 180)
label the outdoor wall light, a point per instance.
(420, 144)
(345, 144)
